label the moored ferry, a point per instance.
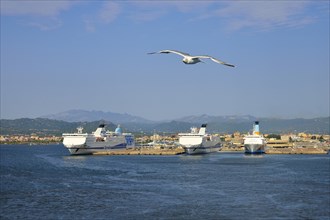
(254, 143)
(99, 140)
(199, 142)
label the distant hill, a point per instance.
(231, 124)
(315, 125)
(42, 126)
(216, 124)
(89, 116)
(217, 119)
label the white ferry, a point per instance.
(254, 143)
(100, 140)
(198, 142)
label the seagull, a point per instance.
(189, 59)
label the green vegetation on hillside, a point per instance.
(42, 126)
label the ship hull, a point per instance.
(78, 145)
(201, 149)
(80, 150)
(198, 142)
(254, 148)
(255, 143)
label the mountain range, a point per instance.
(89, 116)
(68, 121)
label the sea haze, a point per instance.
(45, 182)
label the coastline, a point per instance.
(171, 150)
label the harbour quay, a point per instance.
(142, 150)
(176, 150)
(294, 150)
(301, 147)
(290, 143)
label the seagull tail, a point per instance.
(228, 64)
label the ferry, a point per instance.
(254, 143)
(100, 140)
(198, 142)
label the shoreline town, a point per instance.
(300, 143)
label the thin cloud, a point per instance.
(153, 10)
(234, 15)
(43, 15)
(46, 24)
(109, 12)
(264, 15)
(34, 8)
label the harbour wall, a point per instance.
(180, 150)
(296, 151)
(144, 151)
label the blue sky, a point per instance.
(92, 55)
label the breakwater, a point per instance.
(296, 151)
(180, 150)
(144, 151)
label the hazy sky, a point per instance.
(92, 55)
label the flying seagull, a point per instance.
(189, 59)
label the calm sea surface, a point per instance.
(44, 182)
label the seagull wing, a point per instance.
(172, 51)
(215, 60)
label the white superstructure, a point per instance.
(198, 142)
(100, 140)
(254, 143)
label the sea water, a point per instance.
(45, 182)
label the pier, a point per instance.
(296, 151)
(180, 150)
(144, 151)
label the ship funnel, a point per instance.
(256, 128)
(118, 130)
(202, 130)
(100, 131)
